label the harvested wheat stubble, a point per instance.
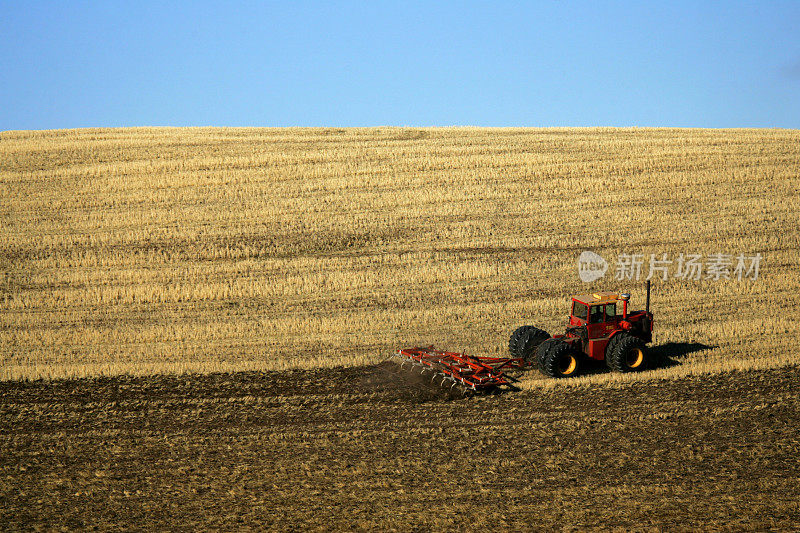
(170, 250)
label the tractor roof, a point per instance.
(597, 298)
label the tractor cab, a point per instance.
(597, 312)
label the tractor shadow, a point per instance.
(662, 356)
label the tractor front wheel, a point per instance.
(626, 353)
(558, 359)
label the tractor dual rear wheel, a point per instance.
(513, 341)
(524, 341)
(558, 359)
(626, 353)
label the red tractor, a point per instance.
(595, 331)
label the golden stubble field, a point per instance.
(141, 251)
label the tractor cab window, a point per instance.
(611, 311)
(579, 310)
(596, 314)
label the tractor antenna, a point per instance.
(647, 304)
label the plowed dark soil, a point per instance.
(360, 448)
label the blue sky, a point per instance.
(687, 64)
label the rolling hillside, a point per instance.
(144, 251)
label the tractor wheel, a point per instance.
(528, 342)
(626, 353)
(542, 349)
(513, 342)
(559, 360)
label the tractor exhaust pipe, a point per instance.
(647, 302)
(625, 297)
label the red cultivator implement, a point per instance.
(472, 374)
